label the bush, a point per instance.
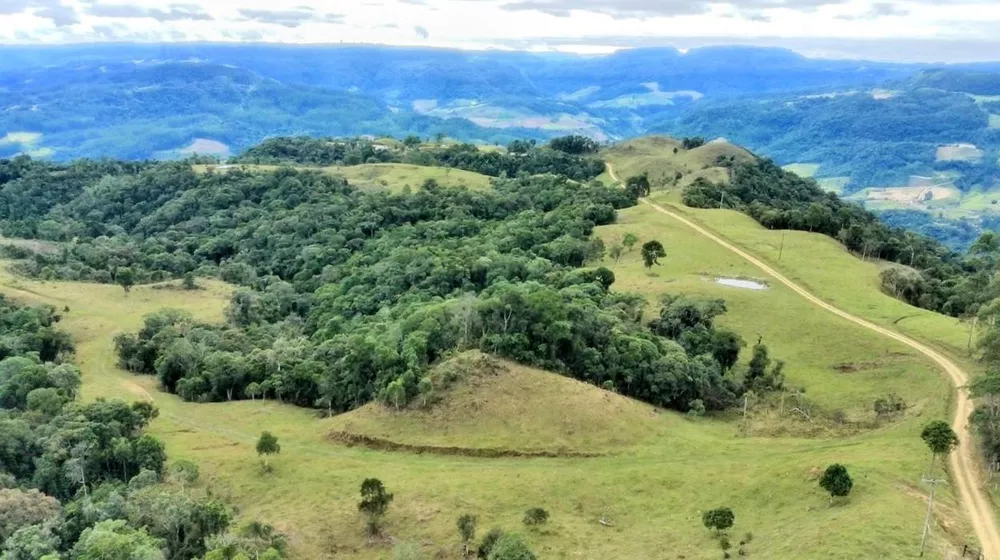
(489, 541)
(719, 519)
(511, 547)
(535, 516)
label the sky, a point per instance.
(903, 30)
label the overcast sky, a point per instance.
(929, 30)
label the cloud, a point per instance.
(290, 18)
(174, 12)
(877, 10)
(655, 8)
(421, 31)
(8, 7)
(61, 15)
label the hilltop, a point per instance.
(485, 406)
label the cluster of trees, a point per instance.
(564, 156)
(84, 480)
(932, 276)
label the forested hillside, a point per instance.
(349, 295)
(84, 480)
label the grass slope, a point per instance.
(655, 156)
(508, 406)
(653, 489)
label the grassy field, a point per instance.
(653, 493)
(806, 170)
(833, 184)
(655, 156)
(393, 176)
(660, 469)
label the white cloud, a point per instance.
(574, 25)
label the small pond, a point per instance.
(738, 283)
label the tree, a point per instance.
(719, 519)
(125, 278)
(836, 481)
(115, 540)
(535, 516)
(629, 241)
(652, 251)
(638, 186)
(467, 530)
(188, 282)
(940, 438)
(616, 251)
(426, 388)
(511, 546)
(19, 509)
(267, 445)
(254, 390)
(374, 503)
(395, 393)
(31, 543)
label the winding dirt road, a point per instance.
(963, 466)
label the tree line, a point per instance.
(569, 155)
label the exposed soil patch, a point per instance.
(854, 367)
(380, 444)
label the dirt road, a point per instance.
(963, 465)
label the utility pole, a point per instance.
(722, 200)
(930, 507)
(782, 248)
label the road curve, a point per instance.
(963, 466)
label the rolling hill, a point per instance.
(626, 476)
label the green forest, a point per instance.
(350, 295)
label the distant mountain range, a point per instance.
(853, 124)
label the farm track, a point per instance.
(962, 463)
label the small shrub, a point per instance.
(511, 547)
(535, 516)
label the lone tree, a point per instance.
(719, 519)
(267, 445)
(836, 481)
(651, 252)
(629, 241)
(374, 503)
(125, 278)
(942, 440)
(467, 530)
